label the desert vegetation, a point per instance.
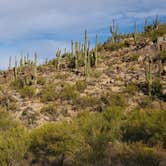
(90, 106)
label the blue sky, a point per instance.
(44, 25)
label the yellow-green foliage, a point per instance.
(113, 46)
(50, 110)
(48, 93)
(153, 34)
(41, 81)
(17, 83)
(28, 91)
(68, 93)
(131, 89)
(163, 55)
(13, 141)
(93, 103)
(81, 85)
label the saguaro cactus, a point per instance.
(85, 53)
(15, 69)
(135, 32)
(58, 55)
(96, 53)
(156, 24)
(149, 75)
(35, 69)
(160, 69)
(10, 63)
(114, 31)
(76, 55)
(72, 49)
(146, 25)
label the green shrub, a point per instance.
(112, 99)
(113, 46)
(60, 141)
(48, 93)
(81, 85)
(131, 89)
(156, 88)
(148, 126)
(163, 55)
(14, 141)
(92, 103)
(17, 83)
(139, 154)
(49, 109)
(28, 91)
(41, 81)
(68, 93)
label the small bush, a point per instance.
(163, 56)
(28, 91)
(81, 85)
(131, 89)
(17, 83)
(68, 93)
(139, 154)
(113, 46)
(48, 93)
(49, 109)
(156, 88)
(93, 103)
(114, 100)
(41, 81)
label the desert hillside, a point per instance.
(91, 106)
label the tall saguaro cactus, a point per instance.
(58, 56)
(35, 69)
(156, 24)
(15, 68)
(72, 49)
(85, 53)
(96, 53)
(114, 31)
(149, 75)
(135, 32)
(10, 63)
(76, 55)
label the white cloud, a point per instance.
(21, 19)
